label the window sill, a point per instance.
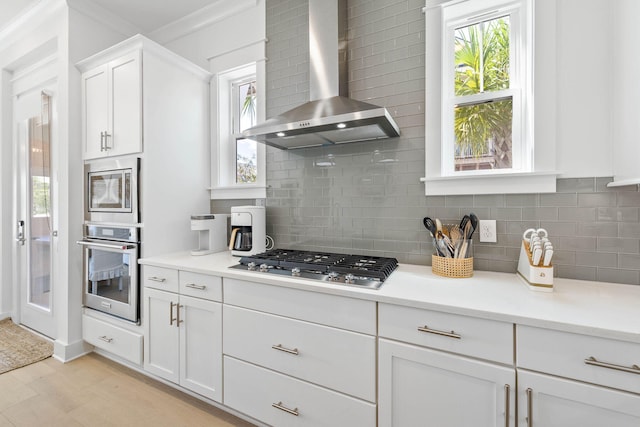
(513, 183)
(239, 192)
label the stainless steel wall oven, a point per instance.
(110, 273)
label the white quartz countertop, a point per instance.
(601, 309)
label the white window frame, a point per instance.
(228, 69)
(534, 158)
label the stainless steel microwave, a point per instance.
(111, 190)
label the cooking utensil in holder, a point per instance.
(536, 276)
(454, 267)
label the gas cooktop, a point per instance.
(352, 270)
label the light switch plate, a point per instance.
(488, 231)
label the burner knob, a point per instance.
(333, 276)
(295, 271)
(264, 267)
(349, 278)
(251, 266)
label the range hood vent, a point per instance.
(328, 118)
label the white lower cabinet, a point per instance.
(568, 379)
(184, 341)
(548, 401)
(281, 400)
(421, 386)
(114, 339)
(299, 358)
(443, 369)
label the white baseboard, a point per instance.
(65, 352)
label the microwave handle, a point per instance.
(118, 246)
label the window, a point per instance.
(237, 164)
(244, 94)
(480, 98)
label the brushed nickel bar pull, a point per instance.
(529, 392)
(106, 145)
(279, 347)
(280, 406)
(194, 286)
(178, 320)
(171, 318)
(101, 141)
(105, 338)
(633, 369)
(507, 409)
(428, 330)
(157, 279)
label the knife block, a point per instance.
(536, 278)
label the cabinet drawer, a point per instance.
(332, 310)
(201, 286)
(115, 340)
(341, 360)
(592, 359)
(256, 392)
(165, 279)
(481, 338)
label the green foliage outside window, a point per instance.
(483, 129)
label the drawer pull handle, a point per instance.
(634, 369)
(280, 406)
(507, 404)
(428, 330)
(279, 347)
(157, 279)
(529, 392)
(194, 286)
(105, 338)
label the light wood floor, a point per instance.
(94, 391)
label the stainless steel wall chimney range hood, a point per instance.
(330, 117)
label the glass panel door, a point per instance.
(39, 209)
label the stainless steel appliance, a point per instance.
(351, 270)
(111, 190)
(110, 275)
(330, 117)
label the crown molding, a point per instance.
(216, 11)
(102, 15)
(32, 16)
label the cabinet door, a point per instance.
(94, 111)
(556, 402)
(201, 346)
(161, 334)
(125, 105)
(420, 386)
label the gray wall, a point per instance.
(366, 198)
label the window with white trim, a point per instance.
(238, 165)
(479, 97)
(244, 115)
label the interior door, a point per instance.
(33, 210)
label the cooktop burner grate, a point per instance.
(357, 270)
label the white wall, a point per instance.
(228, 34)
(584, 88)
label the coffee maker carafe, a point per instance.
(248, 230)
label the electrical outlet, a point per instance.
(488, 231)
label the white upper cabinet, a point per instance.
(626, 90)
(112, 107)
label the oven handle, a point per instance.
(118, 246)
